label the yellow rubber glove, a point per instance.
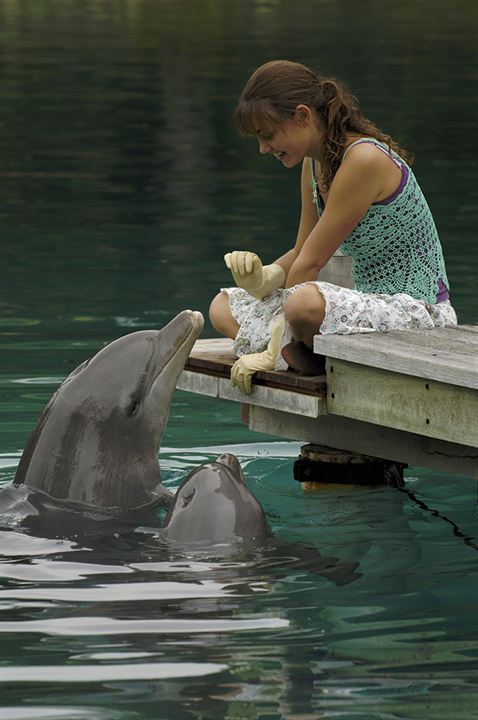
(251, 275)
(244, 368)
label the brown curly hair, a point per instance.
(274, 90)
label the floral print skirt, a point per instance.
(346, 311)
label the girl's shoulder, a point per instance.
(371, 161)
(363, 147)
(369, 149)
(370, 156)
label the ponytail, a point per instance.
(340, 113)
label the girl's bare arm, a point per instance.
(308, 219)
(358, 183)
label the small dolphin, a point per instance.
(215, 511)
(96, 443)
(214, 505)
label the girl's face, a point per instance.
(290, 142)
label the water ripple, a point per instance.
(124, 592)
(47, 712)
(109, 626)
(107, 673)
(17, 544)
(53, 380)
(47, 570)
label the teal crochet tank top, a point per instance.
(395, 247)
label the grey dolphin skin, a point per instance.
(214, 505)
(96, 443)
(214, 508)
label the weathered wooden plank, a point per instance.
(357, 436)
(460, 341)
(447, 355)
(279, 398)
(215, 357)
(276, 398)
(463, 337)
(217, 346)
(389, 399)
(199, 383)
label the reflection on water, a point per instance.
(119, 158)
(135, 626)
(123, 184)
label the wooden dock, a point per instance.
(410, 396)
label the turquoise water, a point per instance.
(123, 184)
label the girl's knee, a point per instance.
(221, 316)
(293, 307)
(216, 305)
(218, 308)
(306, 304)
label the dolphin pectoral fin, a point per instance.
(342, 573)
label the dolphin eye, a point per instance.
(134, 408)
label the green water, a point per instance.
(123, 184)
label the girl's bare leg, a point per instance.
(221, 317)
(305, 312)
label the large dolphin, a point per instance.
(96, 443)
(214, 505)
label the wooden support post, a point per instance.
(319, 466)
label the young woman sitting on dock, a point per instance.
(359, 194)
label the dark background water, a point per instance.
(123, 183)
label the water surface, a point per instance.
(123, 184)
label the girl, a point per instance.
(358, 194)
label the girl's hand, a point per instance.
(243, 369)
(246, 269)
(251, 275)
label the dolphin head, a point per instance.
(98, 439)
(214, 505)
